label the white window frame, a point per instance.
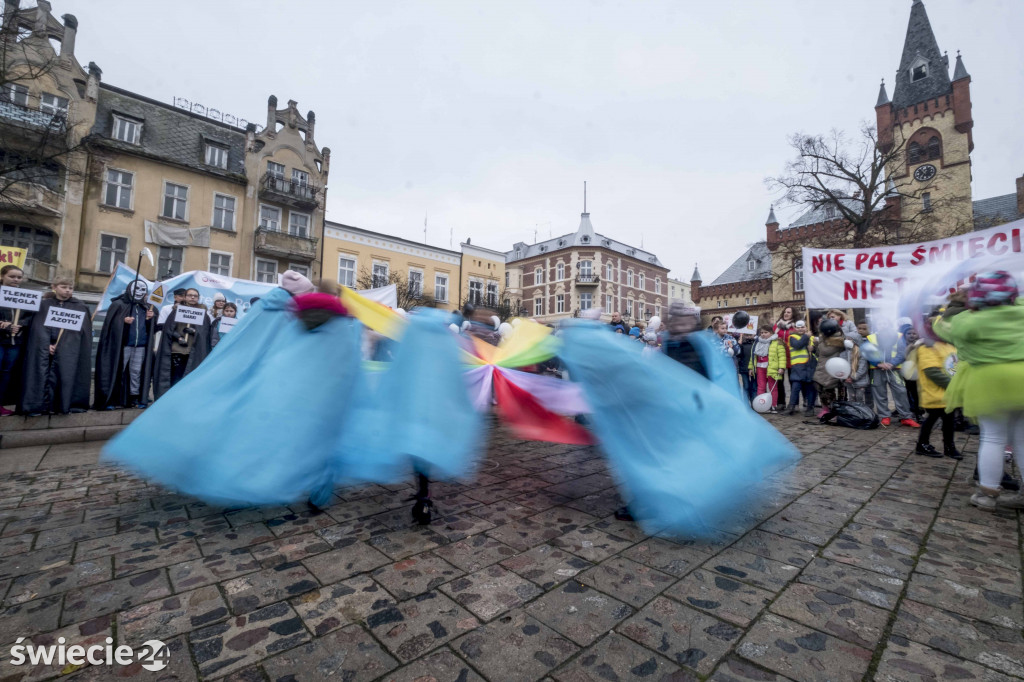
(309, 224)
(559, 303)
(16, 92)
(589, 297)
(351, 258)
(418, 271)
(491, 301)
(301, 268)
(657, 286)
(560, 271)
(609, 302)
(751, 265)
(163, 201)
(56, 104)
(256, 269)
(538, 306)
(213, 153)
(386, 275)
(441, 284)
(271, 172)
(300, 177)
(753, 301)
(99, 251)
(798, 275)
(629, 307)
(641, 281)
(476, 285)
(609, 272)
(127, 122)
(131, 188)
(234, 210)
(158, 259)
(259, 217)
(538, 275)
(586, 268)
(231, 262)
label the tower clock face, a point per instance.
(924, 173)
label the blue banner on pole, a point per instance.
(237, 291)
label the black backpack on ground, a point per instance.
(851, 415)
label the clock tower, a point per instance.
(926, 126)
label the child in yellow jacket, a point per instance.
(936, 365)
(768, 362)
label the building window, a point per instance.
(506, 280)
(640, 281)
(381, 275)
(559, 303)
(298, 224)
(608, 302)
(609, 272)
(275, 170)
(220, 264)
(37, 242)
(299, 268)
(175, 201)
(118, 192)
(169, 261)
(18, 94)
(914, 153)
(657, 310)
(52, 104)
(586, 268)
(753, 301)
(919, 72)
(347, 271)
(751, 264)
(538, 275)
(300, 178)
(492, 294)
(747, 301)
(586, 301)
(223, 212)
(560, 272)
(216, 156)
(657, 286)
(926, 201)
(629, 278)
(441, 288)
(270, 218)
(518, 253)
(476, 291)
(266, 271)
(538, 306)
(934, 147)
(415, 283)
(126, 130)
(629, 307)
(113, 250)
(798, 275)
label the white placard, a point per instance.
(751, 327)
(62, 318)
(189, 315)
(21, 299)
(870, 278)
(227, 324)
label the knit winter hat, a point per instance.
(294, 283)
(800, 324)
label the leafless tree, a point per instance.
(504, 305)
(409, 295)
(859, 186)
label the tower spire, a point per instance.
(924, 71)
(960, 72)
(883, 96)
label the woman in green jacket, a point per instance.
(987, 386)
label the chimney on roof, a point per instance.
(67, 43)
(42, 15)
(1020, 195)
(92, 86)
(272, 114)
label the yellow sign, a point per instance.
(157, 297)
(12, 255)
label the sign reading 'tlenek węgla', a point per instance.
(20, 299)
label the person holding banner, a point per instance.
(13, 321)
(124, 358)
(185, 342)
(57, 354)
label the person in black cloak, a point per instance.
(124, 358)
(182, 346)
(57, 366)
(12, 343)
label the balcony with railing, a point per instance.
(291, 192)
(39, 123)
(588, 280)
(40, 271)
(277, 244)
(30, 198)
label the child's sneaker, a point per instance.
(909, 422)
(886, 421)
(1015, 501)
(772, 410)
(983, 501)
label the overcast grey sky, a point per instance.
(488, 116)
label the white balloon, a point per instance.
(762, 403)
(838, 367)
(909, 370)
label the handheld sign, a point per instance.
(189, 315)
(227, 324)
(20, 299)
(62, 318)
(157, 296)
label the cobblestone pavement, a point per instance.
(866, 562)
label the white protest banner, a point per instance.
(384, 295)
(227, 324)
(751, 327)
(62, 318)
(20, 299)
(189, 315)
(875, 277)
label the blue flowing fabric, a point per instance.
(416, 414)
(719, 366)
(688, 452)
(256, 423)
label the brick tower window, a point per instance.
(934, 147)
(920, 71)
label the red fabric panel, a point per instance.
(530, 420)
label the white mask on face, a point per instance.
(139, 290)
